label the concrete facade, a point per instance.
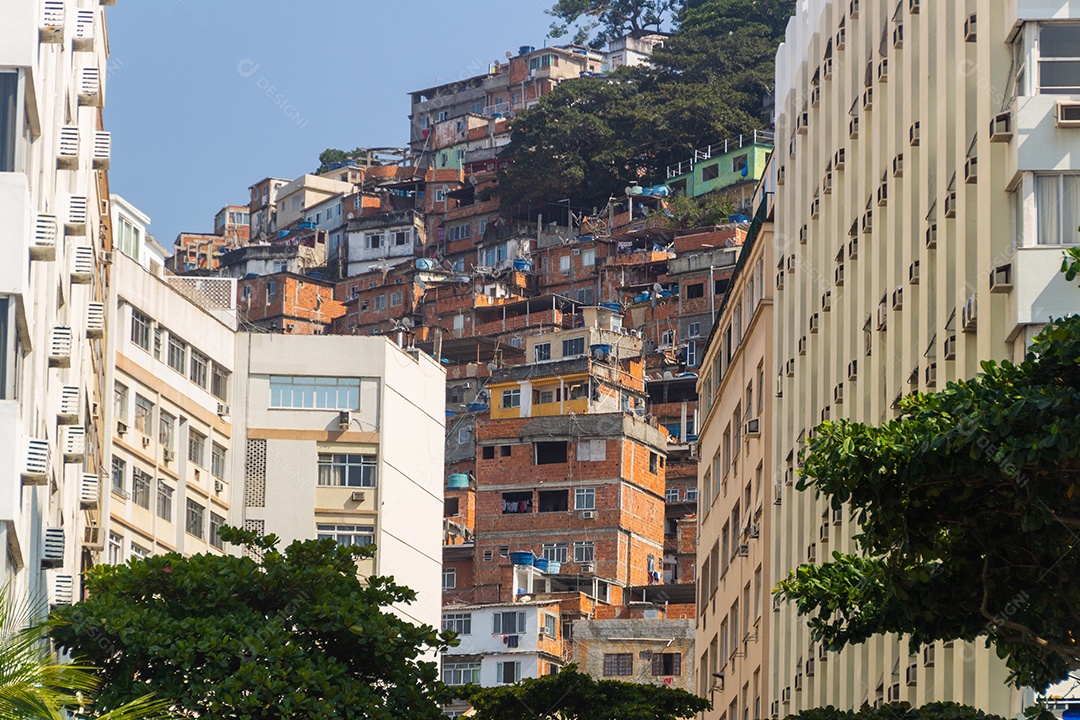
(652, 651)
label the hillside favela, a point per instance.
(594, 360)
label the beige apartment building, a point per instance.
(55, 231)
(735, 499)
(926, 172)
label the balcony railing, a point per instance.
(758, 137)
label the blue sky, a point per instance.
(206, 97)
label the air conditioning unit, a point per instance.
(801, 123)
(949, 348)
(913, 7)
(76, 217)
(88, 491)
(61, 589)
(344, 420)
(823, 533)
(931, 236)
(774, 710)
(755, 532)
(82, 265)
(121, 428)
(358, 496)
(928, 656)
(883, 194)
(883, 70)
(791, 263)
(51, 28)
(1068, 114)
(868, 99)
(811, 553)
(969, 315)
(894, 692)
(588, 514)
(224, 410)
(841, 38)
(95, 319)
(35, 469)
(971, 170)
(898, 298)
(814, 322)
(911, 674)
(950, 205)
(838, 516)
(838, 275)
(84, 31)
(168, 455)
(753, 427)
(931, 375)
(898, 165)
(588, 568)
(970, 26)
(789, 476)
(67, 150)
(52, 554)
(853, 370)
(46, 229)
(798, 681)
(853, 9)
(145, 441)
(107, 257)
(826, 301)
(780, 279)
(839, 159)
(785, 695)
(1001, 128)
(789, 367)
(882, 316)
(913, 134)
(815, 97)
(75, 444)
(815, 209)
(742, 550)
(827, 68)
(826, 183)
(102, 150)
(803, 234)
(853, 128)
(802, 345)
(781, 175)
(1001, 279)
(913, 273)
(898, 36)
(93, 538)
(838, 394)
(59, 347)
(69, 405)
(90, 87)
(868, 221)
(219, 487)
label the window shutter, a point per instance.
(657, 664)
(521, 622)
(498, 624)
(676, 664)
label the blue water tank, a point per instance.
(521, 558)
(738, 219)
(425, 264)
(525, 49)
(458, 480)
(522, 264)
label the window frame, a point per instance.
(342, 467)
(587, 552)
(357, 535)
(194, 517)
(618, 664)
(585, 498)
(142, 329)
(164, 506)
(317, 390)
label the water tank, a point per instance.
(458, 480)
(525, 49)
(522, 264)
(521, 558)
(425, 264)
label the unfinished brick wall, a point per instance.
(288, 303)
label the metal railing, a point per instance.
(758, 137)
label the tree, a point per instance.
(331, 156)
(293, 635)
(969, 512)
(687, 212)
(571, 695)
(609, 19)
(34, 686)
(898, 711)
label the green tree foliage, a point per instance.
(687, 212)
(599, 21)
(293, 635)
(34, 686)
(572, 695)
(898, 711)
(591, 137)
(969, 510)
(330, 156)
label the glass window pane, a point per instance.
(9, 109)
(1060, 40)
(1046, 200)
(1070, 209)
(1060, 77)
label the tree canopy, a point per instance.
(898, 711)
(293, 635)
(597, 22)
(572, 695)
(969, 515)
(330, 156)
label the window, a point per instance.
(10, 109)
(550, 452)
(195, 519)
(138, 552)
(116, 549)
(667, 338)
(507, 672)
(271, 287)
(697, 290)
(654, 463)
(739, 163)
(217, 461)
(541, 352)
(511, 399)
(691, 494)
(119, 474)
(347, 535)
(691, 353)
(219, 383)
(618, 664)
(552, 500)
(177, 358)
(592, 450)
(573, 346)
(556, 551)
(564, 264)
(144, 414)
(584, 551)
(449, 578)
(120, 402)
(460, 623)
(167, 430)
(380, 302)
(585, 498)
(451, 507)
(199, 369)
(588, 258)
(666, 664)
(374, 241)
(196, 447)
(1057, 201)
(710, 172)
(314, 393)
(216, 521)
(488, 452)
(140, 329)
(461, 673)
(164, 501)
(459, 232)
(1059, 58)
(395, 299)
(550, 624)
(671, 495)
(440, 194)
(346, 470)
(514, 503)
(140, 488)
(509, 623)
(585, 296)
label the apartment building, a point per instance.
(54, 201)
(652, 648)
(342, 437)
(262, 208)
(925, 176)
(170, 373)
(289, 303)
(735, 501)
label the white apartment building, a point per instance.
(342, 437)
(172, 352)
(54, 205)
(927, 180)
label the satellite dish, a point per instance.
(668, 375)
(657, 288)
(473, 180)
(407, 322)
(478, 288)
(509, 55)
(492, 367)
(640, 411)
